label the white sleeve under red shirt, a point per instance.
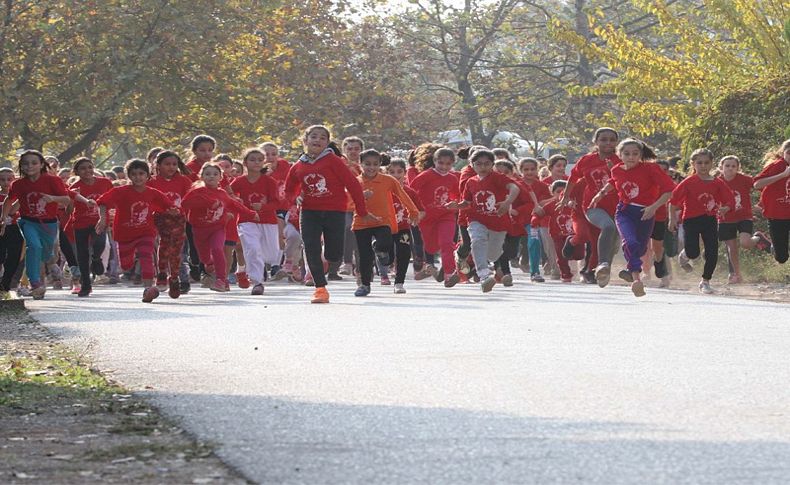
(323, 184)
(642, 184)
(134, 211)
(263, 191)
(279, 175)
(741, 186)
(597, 173)
(85, 216)
(174, 188)
(775, 197)
(435, 190)
(484, 195)
(700, 197)
(29, 194)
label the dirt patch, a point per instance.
(63, 422)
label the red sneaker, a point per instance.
(243, 280)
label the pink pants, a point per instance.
(437, 236)
(143, 247)
(210, 244)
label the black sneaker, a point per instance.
(588, 277)
(184, 287)
(626, 275)
(333, 276)
(660, 267)
(84, 291)
(439, 276)
(97, 267)
(363, 290)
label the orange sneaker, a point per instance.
(321, 295)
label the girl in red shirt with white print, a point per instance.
(133, 227)
(737, 226)
(702, 199)
(208, 210)
(171, 179)
(774, 181)
(642, 188)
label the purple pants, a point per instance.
(634, 232)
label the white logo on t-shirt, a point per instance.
(441, 196)
(36, 204)
(316, 185)
(631, 190)
(139, 214)
(485, 202)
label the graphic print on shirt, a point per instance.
(316, 185)
(36, 204)
(786, 198)
(601, 177)
(441, 196)
(214, 212)
(256, 198)
(400, 212)
(630, 189)
(281, 189)
(485, 202)
(139, 214)
(738, 205)
(175, 197)
(707, 201)
(565, 223)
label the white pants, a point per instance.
(487, 245)
(293, 243)
(261, 243)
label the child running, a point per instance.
(133, 227)
(701, 198)
(529, 181)
(774, 182)
(90, 244)
(737, 226)
(11, 241)
(171, 179)
(39, 194)
(379, 190)
(403, 238)
(208, 210)
(642, 188)
(490, 195)
(319, 181)
(259, 237)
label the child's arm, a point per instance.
(409, 204)
(774, 178)
(504, 206)
(60, 199)
(650, 211)
(101, 226)
(600, 195)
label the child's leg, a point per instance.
(635, 234)
(479, 235)
(34, 242)
(607, 239)
(496, 245)
(334, 237)
(250, 234)
(144, 247)
(466, 243)
(402, 255)
(83, 238)
(12, 243)
(547, 244)
(733, 257)
(780, 234)
(270, 244)
(710, 239)
(201, 238)
(417, 248)
(533, 245)
(562, 263)
(312, 224)
(430, 240)
(216, 243)
(228, 248)
(446, 234)
(365, 250)
(383, 245)
(691, 232)
(293, 244)
(126, 255)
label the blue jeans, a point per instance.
(40, 242)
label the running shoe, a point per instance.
(487, 284)
(320, 295)
(602, 274)
(638, 288)
(257, 290)
(399, 289)
(626, 275)
(705, 288)
(242, 280)
(363, 290)
(452, 280)
(150, 294)
(507, 280)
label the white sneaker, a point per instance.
(347, 269)
(488, 284)
(602, 274)
(685, 262)
(399, 289)
(704, 287)
(664, 282)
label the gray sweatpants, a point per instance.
(487, 245)
(609, 237)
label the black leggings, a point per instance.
(366, 248)
(401, 253)
(780, 234)
(67, 250)
(466, 243)
(332, 226)
(11, 243)
(88, 242)
(509, 251)
(708, 229)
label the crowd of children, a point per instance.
(349, 211)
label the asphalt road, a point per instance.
(543, 383)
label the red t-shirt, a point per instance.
(400, 209)
(323, 184)
(85, 216)
(262, 191)
(560, 220)
(484, 196)
(775, 197)
(642, 184)
(175, 188)
(279, 175)
(741, 186)
(463, 177)
(542, 193)
(596, 172)
(701, 197)
(411, 174)
(29, 194)
(435, 190)
(207, 207)
(134, 211)
(550, 179)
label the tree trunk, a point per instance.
(586, 75)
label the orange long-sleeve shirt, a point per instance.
(380, 203)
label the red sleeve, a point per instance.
(577, 170)
(679, 194)
(192, 199)
(665, 183)
(774, 168)
(58, 187)
(161, 201)
(727, 196)
(108, 198)
(239, 208)
(292, 183)
(352, 186)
